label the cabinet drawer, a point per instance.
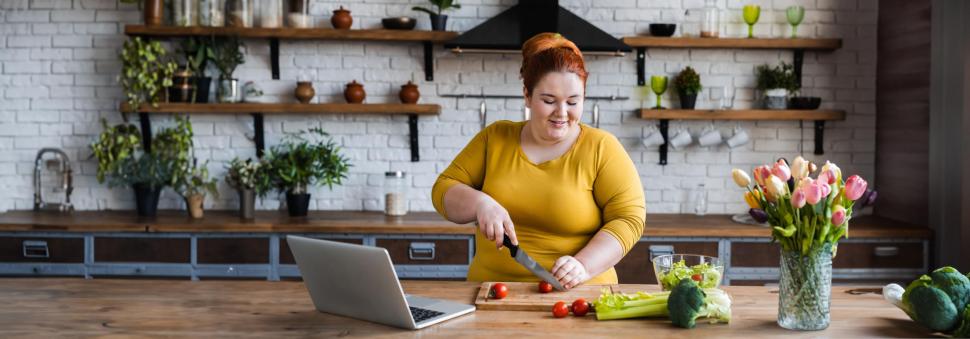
(426, 251)
(39, 249)
(636, 268)
(286, 256)
(233, 251)
(165, 250)
(879, 255)
(755, 254)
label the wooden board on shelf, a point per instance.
(525, 296)
(294, 33)
(744, 43)
(746, 114)
(289, 108)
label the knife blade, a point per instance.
(525, 260)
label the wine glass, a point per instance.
(751, 15)
(658, 83)
(795, 15)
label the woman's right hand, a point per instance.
(494, 221)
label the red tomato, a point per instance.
(545, 287)
(498, 291)
(580, 307)
(696, 277)
(559, 310)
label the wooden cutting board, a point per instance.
(525, 296)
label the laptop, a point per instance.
(359, 282)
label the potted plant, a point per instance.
(688, 84)
(302, 160)
(251, 179)
(225, 54)
(144, 74)
(777, 83)
(438, 21)
(196, 53)
(193, 186)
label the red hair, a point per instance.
(550, 52)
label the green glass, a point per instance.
(751, 15)
(795, 15)
(658, 83)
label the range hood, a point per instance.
(510, 29)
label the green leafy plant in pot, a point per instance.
(193, 185)
(251, 179)
(688, 84)
(195, 52)
(145, 74)
(302, 160)
(225, 54)
(777, 83)
(438, 21)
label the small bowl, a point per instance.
(669, 271)
(400, 22)
(804, 102)
(662, 30)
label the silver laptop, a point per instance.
(359, 282)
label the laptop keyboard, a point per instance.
(421, 314)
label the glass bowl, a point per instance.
(671, 268)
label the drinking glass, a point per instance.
(751, 15)
(795, 15)
(658, 83)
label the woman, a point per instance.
(567, 192)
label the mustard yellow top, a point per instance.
(556, 206)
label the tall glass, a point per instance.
(658, 83)
(271, 13)
(795, 15)
(186, 13)
(240, 13)
(751, 15)
(212, 13)
(710, 27)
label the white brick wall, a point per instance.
(58, 65)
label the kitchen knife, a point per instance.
(523, 259)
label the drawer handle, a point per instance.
(421, 251)
(36, 249)
(658, 250)
(886, 251)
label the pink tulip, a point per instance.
(798, 199)
(781, 170)
(813, 193)
(854, 187)
(827, 176)
(826, 189)
(761, 174)
(838, 215)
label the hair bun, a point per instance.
(544, 41)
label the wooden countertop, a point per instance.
(77, 307)
(658, 225)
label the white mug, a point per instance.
(653, 138)
(681, 139)
(710, 137)
(739, 138)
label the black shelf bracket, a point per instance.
(664, 126)
(274, 57)
(146, 131)
(641, 66)
(798, 60)
(413, 130)
(819, 137)
(258, 135)
(428, 61)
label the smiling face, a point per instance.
(556, 104)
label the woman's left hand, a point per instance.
(570, 271)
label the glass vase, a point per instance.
(805, 289)
(270, 13)
(240, 13)
(212, 13)
(186, 13)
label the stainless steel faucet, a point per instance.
(66, 181)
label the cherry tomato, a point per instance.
(580, 307)
(498, 291)
(559, 310)
(545, 287)
(696, 277)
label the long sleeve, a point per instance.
(619, 194)
(468, 168)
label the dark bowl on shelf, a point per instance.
(804, 102)
(400, 22)
(663, 30)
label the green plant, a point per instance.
(442, 5)
(781, 76)
(250, 175)
(144, 73)
(196, 52)
(174, 146)
(300, 161)
(122, 162)
(114, 146)
(225, 54)
(197, 182)
(688, 81)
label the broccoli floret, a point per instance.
(954, 284)
(932, 307)
(687, 302)
(964, 330)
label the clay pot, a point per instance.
(195, 205)
(304, 92)
(354, 93)
(409, 93)
(153, 12)
(341, 18)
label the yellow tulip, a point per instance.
(753, 198)
(799, 168)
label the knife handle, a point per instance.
(508, 243)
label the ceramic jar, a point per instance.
(354, 93)
(341, 18)
(409, 93)
(304, 92)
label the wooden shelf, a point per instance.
(294, 33)
(748, 114)
(289, 108)
(737, 43)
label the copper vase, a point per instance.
(304, 92)
(409, 93)
(354, 93)
(153, 12)
(341, 18)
